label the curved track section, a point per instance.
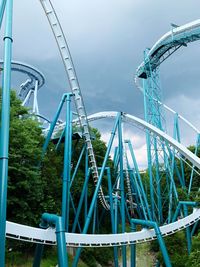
(48, 236)
(75, 88)
(164, 48)
(32, 73)
(30, 234)
(168, 44)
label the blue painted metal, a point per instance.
(192, 172)
(2, 9)
(149, 159)
(112, 214)
(53, 124)
(83, 193)
(86, 189)
(121, 169)
(78, 164)
(67, 164)
(138, 180)
(180, 205)
(188, 235)
(58, 223)
(38, 255)
(95, 195)
(133, 247)
(5, 122)
(159, 238)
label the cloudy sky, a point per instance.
(107, 40)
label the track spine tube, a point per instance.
(5, 124)
(95, 195)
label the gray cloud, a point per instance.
(107, 39)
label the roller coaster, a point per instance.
(157, 208)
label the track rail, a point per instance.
(36, 235)
(48, 236)
(75, 88)
(168, 44)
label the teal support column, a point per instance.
(67, 165)
(133, 247)
(148, 140)
(58, 223)
(86, 189)
(112, 214)
(53, 124)
(159, 238)
(81, 201)
(188, 235)
(5, 124)
(2, 9)
(38, 255)
(145, 206)
(95, 195)
(123, 220)
(77, 164)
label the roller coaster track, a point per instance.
(75, 88)
(168, 44)
(36, 235)
(164, 48)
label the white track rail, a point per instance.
(184, 34)
(36, 235)
(48, 236)
(75, 88)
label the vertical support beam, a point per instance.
(133, 247)
(67, 165)
(123, 220)
(148, 141)
(86, 189)
(35, 102)
(188, 235)
(192, 172)
(38, 255)
(5, 124)
(139, 182)
(95, 195)
(112, 214)
(58, 223)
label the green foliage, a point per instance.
(92, 256)
(24, 184)
(194, 257)
(176, 247)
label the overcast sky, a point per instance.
(107, 39)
